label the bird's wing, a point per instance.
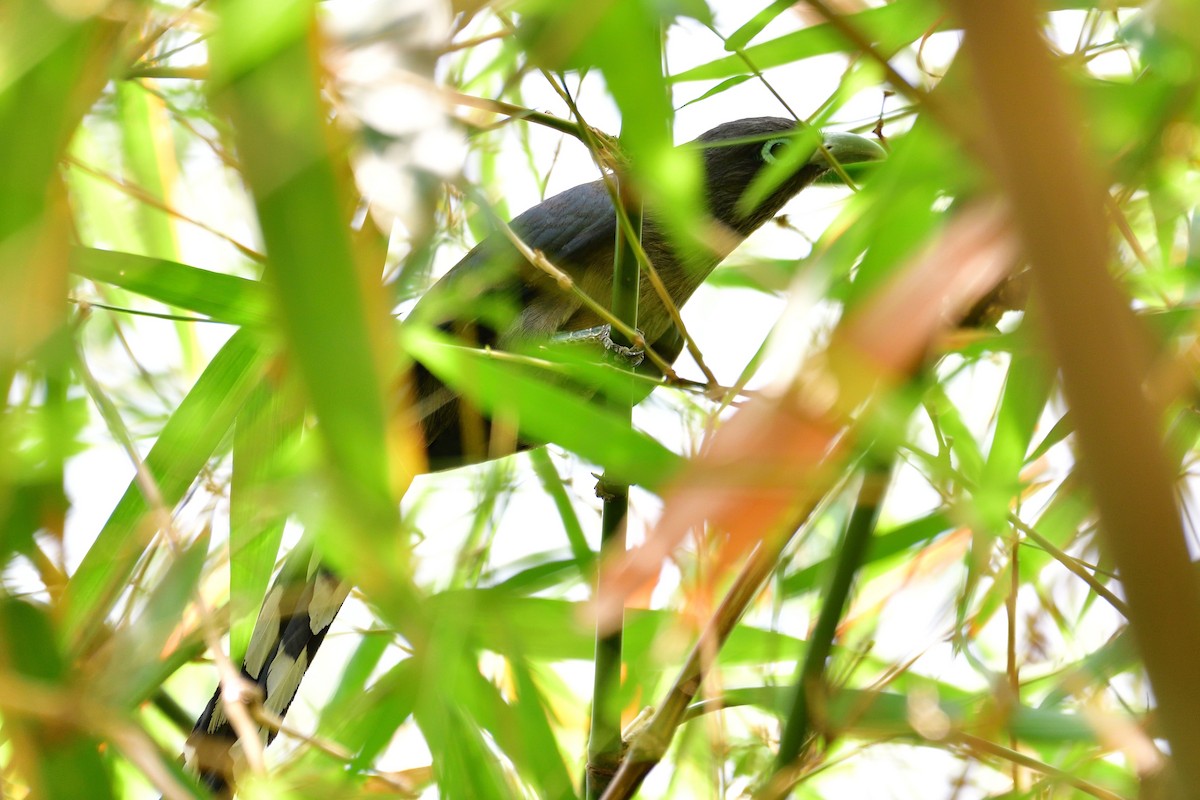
(572, 229)
(570, 224)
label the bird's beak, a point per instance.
(844, 149)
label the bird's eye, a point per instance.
(773, 149)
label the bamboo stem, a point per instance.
(604, 743)
(810, 677)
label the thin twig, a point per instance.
(143, 196)
(1073, 565)
(1008, 754)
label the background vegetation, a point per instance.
(951, 497)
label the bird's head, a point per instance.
(738, 152)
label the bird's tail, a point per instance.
(295, 616)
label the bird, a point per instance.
(504, 300)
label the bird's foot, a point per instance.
(602, 335)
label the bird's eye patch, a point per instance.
(773, 149)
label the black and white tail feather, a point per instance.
(295, 616)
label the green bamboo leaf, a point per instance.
(1114, 657)
(956, 434)
(1058, 433)
(144, 130)
(723, 86)
(453, 711)
(1027, 388)
(378, 713)
(224, 298)
(326, 291)
(36, 439)
(889, 26)
(878, 236)
(883, 547)
(742, 36)
(539, 572)
(1060, 523)
(184, 447)
(53, 69)
(107, 215)
(885, 714)
(30, 642)
(72, 767)
(553, 486)
(135, 654)
(531, 742)
(148, 149)
(493, 492)
(45, 52)
(265, 431)
(26, 503)
(544, 629)
(341, 716)
(57, 761)
(521, 731)
(543, 411)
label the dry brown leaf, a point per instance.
(778, 455)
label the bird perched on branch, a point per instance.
(576, 232)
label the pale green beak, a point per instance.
(845, 149)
